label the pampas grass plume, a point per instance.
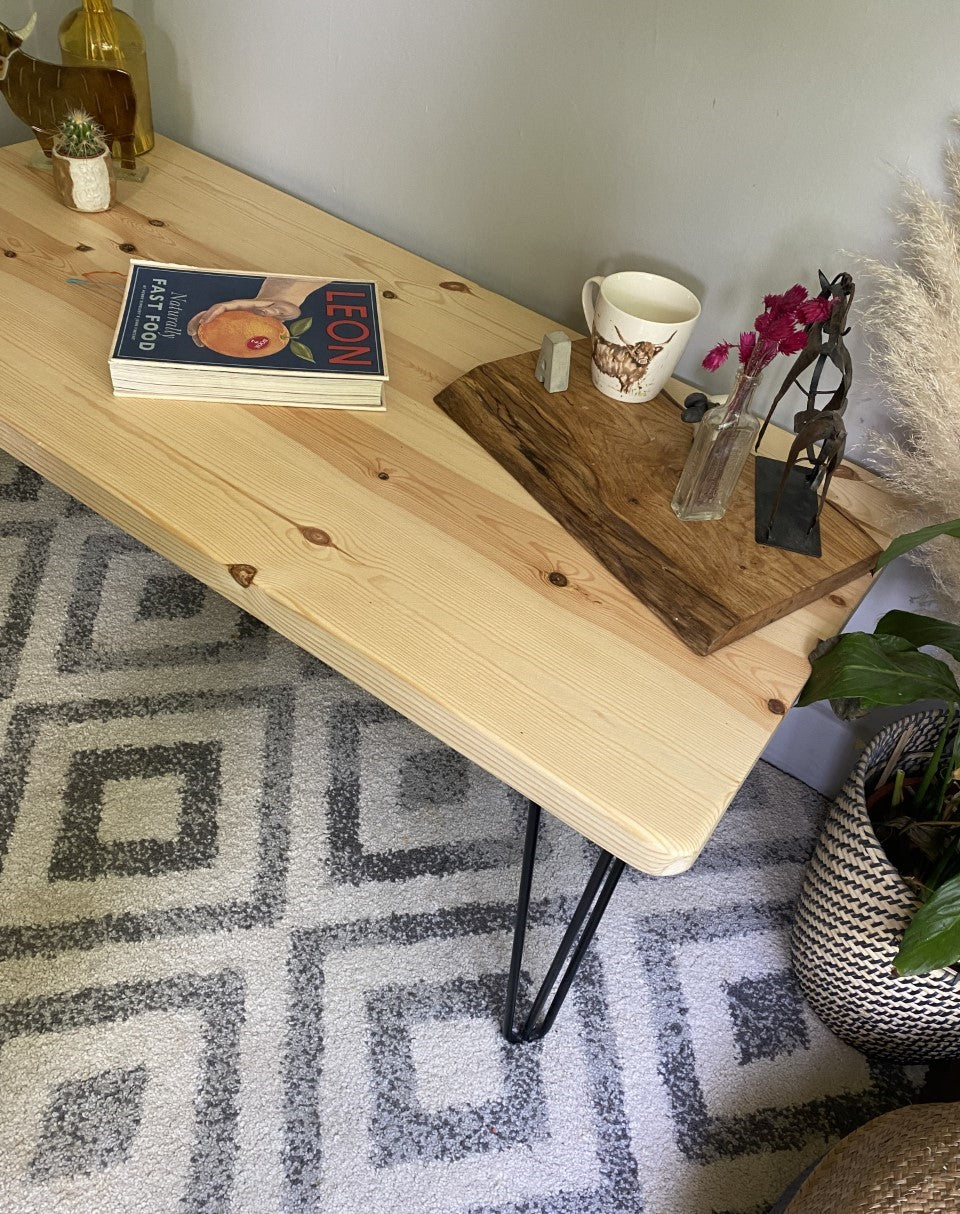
(912, 326)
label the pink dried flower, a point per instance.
(794, 343)
(813, 311)
(792, 299)
(717, 356)
(774, 326)
(779, 329)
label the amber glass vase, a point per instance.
(721, 444)
(104, 36)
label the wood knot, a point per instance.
(314, 535)
(244, 574)
(389, 295)
(846, 473)
(836, 598)
(633, 501)
(127, 247)
(777, 707)
(9, 253)
(455, 286)
(383, 476)
(156, 223)
(84, 248)
(556, 578)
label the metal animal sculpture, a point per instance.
(824, 425)
(826, 428)
(41, 93)
(627, 363)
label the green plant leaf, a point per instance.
(846, 708)
(302, 351)
(913, 539)
(933, 938)
(878, 670)
(934, 766)
(922, 630)
(299, 327)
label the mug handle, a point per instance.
(591, 289)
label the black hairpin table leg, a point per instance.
(604, 878)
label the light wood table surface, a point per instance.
(389, 545)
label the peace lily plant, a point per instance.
(916, 818)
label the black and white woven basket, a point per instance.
(851, 916)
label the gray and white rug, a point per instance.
(254, 931)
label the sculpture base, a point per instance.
(791, 529)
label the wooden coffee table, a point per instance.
(389, 545)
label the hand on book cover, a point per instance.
(280, 297)
(281, 308)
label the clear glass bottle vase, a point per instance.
(100, 35)
(721, 444)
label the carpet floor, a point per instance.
(254, 932)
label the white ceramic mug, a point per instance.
(639, 325)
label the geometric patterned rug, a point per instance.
(255, 927)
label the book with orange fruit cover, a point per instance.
(228, 335)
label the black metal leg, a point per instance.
(606, 873)
(520, 926)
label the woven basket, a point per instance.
(851, 916)
(906, 1162)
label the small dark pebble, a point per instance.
(695, 405)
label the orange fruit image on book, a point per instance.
(242, 334)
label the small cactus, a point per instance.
(79, 136)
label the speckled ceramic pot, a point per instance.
(88, 184)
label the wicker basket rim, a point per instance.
(854, 788)
(867, 762)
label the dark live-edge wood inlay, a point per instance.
(607, 472)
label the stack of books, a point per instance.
(223, 335)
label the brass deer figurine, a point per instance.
(41, 93)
